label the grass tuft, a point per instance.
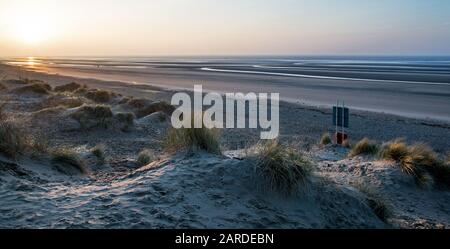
(364, 147)
(145, 157)
(394, 150)
(378, 204)
(418, 160)
(193, 138)
(38, 144)
(81, 91)
(68, 161)
(99, 96)
(93, 116)
(155, 107)
(138, 103)
(423, 155)
(325, 139)
(61, 100)
(13, 140)
(71, 87)
(283, 168)
(125, 119)
(99, 152)
(397, 150)
(36, 88)
(425, 159)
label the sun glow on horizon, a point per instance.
(31, 61)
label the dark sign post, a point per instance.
(341, 116)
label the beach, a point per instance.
(301, 120)
(415, 87)
(205, 190)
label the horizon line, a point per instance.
(235, 55)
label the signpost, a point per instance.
(341, 120)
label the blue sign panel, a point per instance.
(338, 120)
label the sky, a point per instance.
(224, 27)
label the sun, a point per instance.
(30, 25)
(32, 29)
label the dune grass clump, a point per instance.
(71, 102)
(13, 141)
(145, 157)
(35, 88)
(99, 152)
(423, 158)
(193, 138)
(394, 150)
(379, 205)
(38, 144)
(418, 160)
(284, 169)
(155, 107)
(325, 139)
(68, 161)
(81, 91)
(364, 147)
(71, 87)
(99, 96)
(97, 110)
(61, 100)
(138, 103)
(126, 120)
(93, 116)
(398, 151)
(124, 100)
